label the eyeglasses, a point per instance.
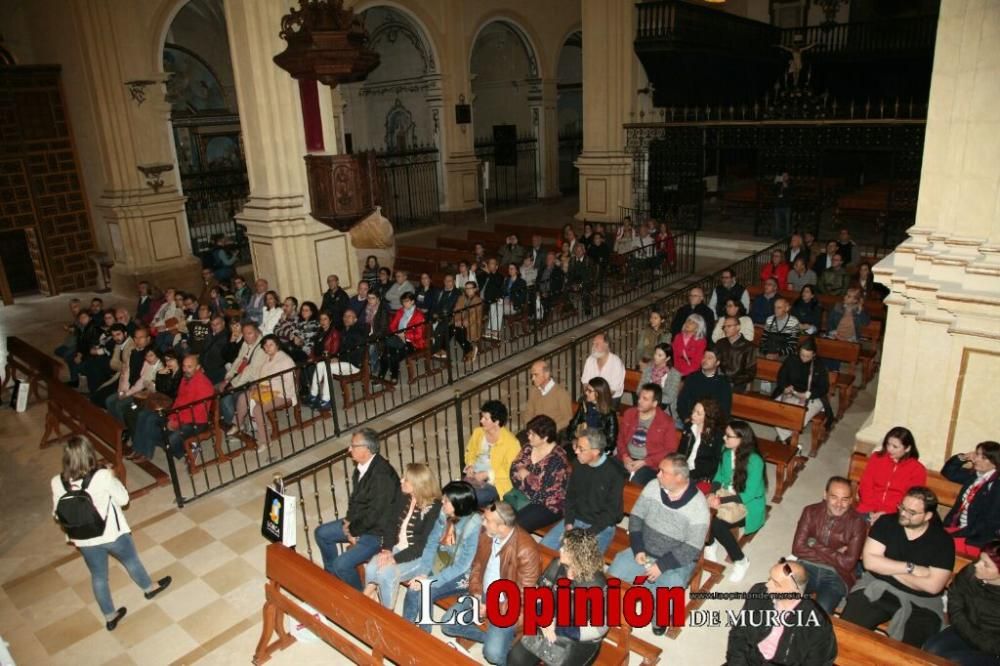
(786, 568)
(908, 512)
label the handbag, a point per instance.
(555, 653)
(517, 499)
(279, 520)
(731, 512)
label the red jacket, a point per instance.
(331, 344)
(687, 357)
(414, 330)
(193, 396)
(780, 274)
(661, 439)
(884, 482)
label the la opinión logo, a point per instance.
(566, 605)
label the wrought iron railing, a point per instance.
(212, 200)
(680, 21)
(408, 187)
(891, 36)
(438, 435)
(512, 184)
(221, 460)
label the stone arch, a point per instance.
(517, 26)
(420, 21)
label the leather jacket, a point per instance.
(519, 562)
(738, 360)
(828, 535)
(609, 426)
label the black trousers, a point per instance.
(535, 516)
(461, 335)
(395, 351)
(869, 614)
(720, 530)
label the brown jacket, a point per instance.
(469, 313)
(830, 535)
(519, 562)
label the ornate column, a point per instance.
(542, 99)
(143, 210)
(609, 77)
(290, 249)
(941, 354)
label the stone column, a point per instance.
(542, 99)
(609, 78)
(147, 226)
(289, 248)
(941, 355)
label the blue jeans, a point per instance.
(148, 432)
(950, 645)
(627, 569)
(344, 565)
(176, 437)
(496, 641)
(439, 590)
(387, 578)
(116, 406)
(227, 408)
(554, 537)
(96, 557)
(829, 587)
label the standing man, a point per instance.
(666, 530)
(505, 552)
(594, 498)
(371, 523)
(908, 558)
(828, 542)
(602, 362)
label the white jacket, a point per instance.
(109, 495)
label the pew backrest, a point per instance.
(857, 646)
(946, 491)
(765, 411)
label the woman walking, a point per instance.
(80, 472)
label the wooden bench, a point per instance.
(31, 363)
(857, 646)
(292, 579)
(767, 370)
(71, 410)
(871, 338)
(946, 491)
(844, 352)
(784, 457)
(524, 233)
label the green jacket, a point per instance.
(754, 496)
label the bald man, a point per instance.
(547, 397)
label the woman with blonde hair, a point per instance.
(104, 493)
(580, 561)
(418, 509)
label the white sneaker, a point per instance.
(739, 570)
(712, 552)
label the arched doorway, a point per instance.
(569, 110)
(396, 112)
(504, 73)
(206, 125)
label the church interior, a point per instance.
(416, 208)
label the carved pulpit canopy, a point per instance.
(325, 42)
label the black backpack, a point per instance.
(77, 514)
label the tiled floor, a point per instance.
(214, 551)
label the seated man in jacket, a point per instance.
(666, 529)
(646, 436)
(834, 280)
(581, 277)
(189, 413)
(550, 282)
(708, 383)
(828, 541)
(505, 552)
(370, 525)
(737, 356)
(547, 397)
(974, 520)
(808, 641)
(214, 350)
(781, 332)
(594, 497)
(244, 372)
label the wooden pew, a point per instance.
(871, 337)
(524, 233)
(844, 352)
(857, 646)
(767, 370)
(29, 363)
(784, 457)
(292, 578)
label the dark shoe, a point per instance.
(324, 405)
(161, 585)
(113, 622)
(659, 631)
